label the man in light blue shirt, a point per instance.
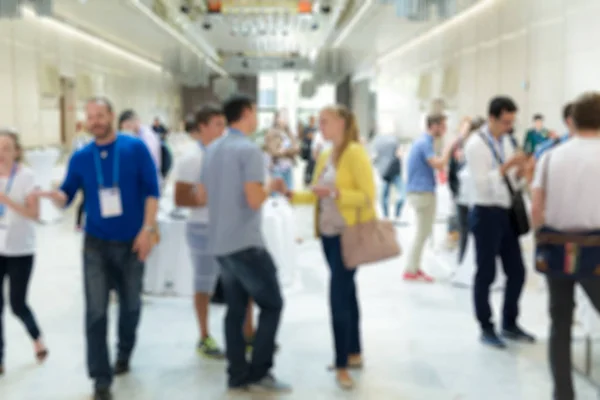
(550, 143)
(420, 185)
(232, 186)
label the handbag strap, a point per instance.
(499, 161)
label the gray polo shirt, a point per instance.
(229, 163)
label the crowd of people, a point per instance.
(226, 178)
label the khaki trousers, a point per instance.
(424, 205)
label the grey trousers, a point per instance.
(562, 304)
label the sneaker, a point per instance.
(270, 384)
(491, 339)
(250, 344)
(409, 276)
(518, 334)
(208, 347)
(102, 394)
(423, 276)
(121, 367)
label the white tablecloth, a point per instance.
(169, 268)
(42, 163)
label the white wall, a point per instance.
(540, 52)
(28, 43)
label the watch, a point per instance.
(150, 228)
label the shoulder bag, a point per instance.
(518, 211)
(368, 242)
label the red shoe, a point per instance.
(424, 277)
(409, 276)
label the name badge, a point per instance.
(110, 203)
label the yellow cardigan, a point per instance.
(354, 182)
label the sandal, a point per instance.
(41, 355)
(344, 381)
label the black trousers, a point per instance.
(495, 237)
(18, 270)
(562, 304)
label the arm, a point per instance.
(253, 175)
(538, 193)
(438, 162)
(31, 207)
(63, 196)
(362, 172)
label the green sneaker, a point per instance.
(208, 347)
(250, 344)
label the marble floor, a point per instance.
(420, 341)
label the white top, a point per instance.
(188, 171)
(464, 195)
(319, 143)
(487, 186)
(572, 192)
(17, 233)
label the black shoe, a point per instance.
(102, 394)
(491, 339)
(517, 334)
(121, 367)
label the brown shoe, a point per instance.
(1, 370)
(344, 380)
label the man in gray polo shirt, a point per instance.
(232, 185)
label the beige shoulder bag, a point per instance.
(369, 242)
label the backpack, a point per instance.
(166, 158)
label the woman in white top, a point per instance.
(18, 211)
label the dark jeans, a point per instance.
(494, 236)
(400, 195)
(562, 303)
(246, 274)
(18, 269)
(462, 214)
(108, 263)
(308, 171)
(345, 315)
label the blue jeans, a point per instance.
(107, 264)
(250, 273)
(287, 176)
(400, 195)
(345, 315)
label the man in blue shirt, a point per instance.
(550, 143)
(118, 176)
(420, 185)
(232, 185)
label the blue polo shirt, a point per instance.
(421, 176)
(137, 180)
(548, 144)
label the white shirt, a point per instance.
(487, 186)
(17, 233)
(188, 171)
(572, 190)
(464, 188)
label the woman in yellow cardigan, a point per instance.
(343, 191)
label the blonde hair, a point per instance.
(14, 135)
(351, 133)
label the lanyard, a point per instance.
(11, 179)
(99, 174)
(496, 145)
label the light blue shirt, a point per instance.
(229, 163)
(548, 144)
(421, 177)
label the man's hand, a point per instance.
(57, 196)
(143, 244)
(4, 199)
(277, 185)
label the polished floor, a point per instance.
(420, 341)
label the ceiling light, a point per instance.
(70, 30)
(182, 39)
(348, 28)
(470, 12)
